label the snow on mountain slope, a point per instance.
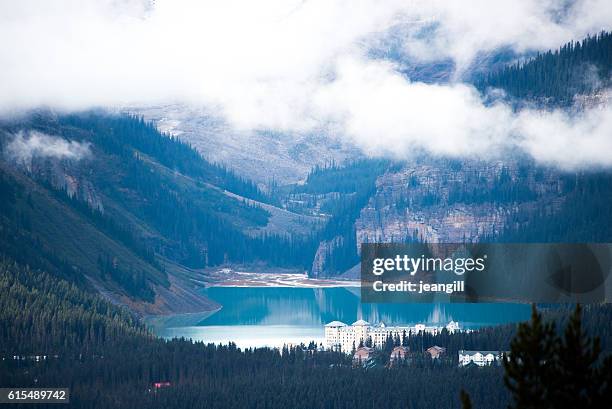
(259, 155)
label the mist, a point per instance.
(25, 146)
(298, 66)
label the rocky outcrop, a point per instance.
(66, 175)
(453, 202)
(323, 251)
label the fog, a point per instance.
(25, 146)
(295, 66)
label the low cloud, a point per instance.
(26, 146)
(385, 114)
(564, 140)
(295, 66)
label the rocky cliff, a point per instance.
(452, 202)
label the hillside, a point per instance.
(262, 156)
(54, 334)
(131, 206)
(110, 203)
(44, 315)
(433, 199)
(555, 78)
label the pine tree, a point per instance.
(577, 372)
(545, 371)
(529, 366)
(466, 402)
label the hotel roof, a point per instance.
(336, 324)
(471, 353)
(360, 323)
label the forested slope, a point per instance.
(109, 360)
(132, 198)
(555, 77)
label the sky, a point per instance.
(297, 66)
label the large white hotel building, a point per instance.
(343, 337)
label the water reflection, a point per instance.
(308, 306)
(273, 316)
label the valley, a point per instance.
(189, 192)
(151, 204)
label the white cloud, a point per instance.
(292, 65)
(32, 144)
(567, 141)
(385, 114)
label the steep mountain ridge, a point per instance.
(260, 155)
(131, 210)
(436, 200)
(147, 211)
(514, 200)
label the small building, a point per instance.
(453, 327)
(398, 354)
(435, 351)
(363, 354)
(160, 385)
(480, 358)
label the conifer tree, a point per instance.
(546, 371)
(530, 364)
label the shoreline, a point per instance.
(227, 277)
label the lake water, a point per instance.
(273, 316)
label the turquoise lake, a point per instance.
(273, 316)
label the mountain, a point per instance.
(438, 200)
(262, 156)
(557, 78)
(455, 201)
(111, 204)
(434, 199)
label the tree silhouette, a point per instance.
(546, 371)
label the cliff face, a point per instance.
(323, 252)
(69, 176)
(453, 202)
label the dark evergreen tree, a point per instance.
(530, 364)
(545, 370)
(554, 78)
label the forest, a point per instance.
(109, 359)
(354, 183)
(583, 217)
(553, 78)
(154, 196)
